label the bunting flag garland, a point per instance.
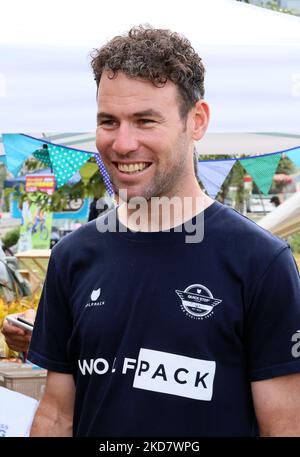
(294, 156)
(212, 174)
(17, 149)
(66, 163)
(69, 163)
(43, 156)
(262, 170)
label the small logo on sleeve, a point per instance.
(95, 294)
(95, 299)
(197, 301)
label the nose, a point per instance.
(125, 140)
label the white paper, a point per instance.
(16, 413)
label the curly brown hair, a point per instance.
(157, 55)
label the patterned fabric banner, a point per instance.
(17, 149)
(105, 175)
(213, 173)
(66, 162)
(43, 156)
(262, 170)
(294, 156)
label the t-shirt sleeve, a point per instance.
(53, 325)
(273, 319)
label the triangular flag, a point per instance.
(88, 170)
(17, 148)
(213, 173)
(43, 156)
(294, 156)
(262, 170)
(66, 162)
(104, 174)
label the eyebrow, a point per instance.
(149, 112)
(103, 115)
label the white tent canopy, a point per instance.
(212, 143)
(251, 55)
(285, 219)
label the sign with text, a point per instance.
(42, 183)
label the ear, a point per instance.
(200, 119)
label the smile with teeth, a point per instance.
(132, 167)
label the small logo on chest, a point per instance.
(197, 301)
(95, 299)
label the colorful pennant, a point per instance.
(43, 156)
(66, 162)
(17, 149)
(212, 174)
(262, 170)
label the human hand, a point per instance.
(17, 338)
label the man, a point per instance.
(144, 333)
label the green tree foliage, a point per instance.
(2, 174)
(271, 5)
(11, 238)
(294, 241)
(3, 200)
(285, 167)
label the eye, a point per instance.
(107, 123)
(146, 121)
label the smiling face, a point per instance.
(145, 145)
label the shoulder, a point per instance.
(83, 240)
(246, 250)
(238, 229)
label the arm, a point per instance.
(277, 405)
(54, 416)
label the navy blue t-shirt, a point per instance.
(164, 337)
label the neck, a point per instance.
(164, 212)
